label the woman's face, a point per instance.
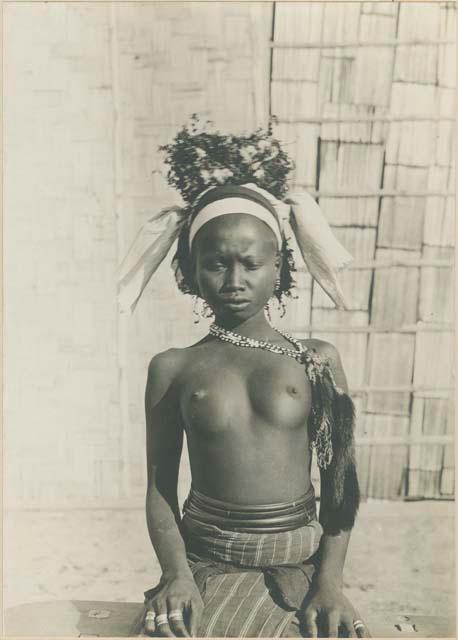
(236, 264)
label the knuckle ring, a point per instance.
(176, 614)
(358, 624)
(162, 618)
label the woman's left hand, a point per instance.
(331, 610)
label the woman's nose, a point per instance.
(234, 279)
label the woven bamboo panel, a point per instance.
(436, 288)
(390, 363)
(383, 474)
(299, 22)
(294, 100)
(61, 388)
(357, 130)
(365, 95)
(433, 359)
(352, 347)
(379, 8)
(424, 24)
(301, 141)
(373, 67)
(346, 166)
(356, 284)
(395, 294)
(401, 219)
(447, 483)
(416, 64)
(426, 462)
(341, 22)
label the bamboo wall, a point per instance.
(91, 90)
(371, 123)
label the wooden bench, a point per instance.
(86, 618)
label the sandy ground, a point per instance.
(401, 557)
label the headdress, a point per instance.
(217, 175)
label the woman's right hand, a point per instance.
(178, 594)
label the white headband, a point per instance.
(322, 252)
(225, 206)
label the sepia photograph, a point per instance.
(228, 319)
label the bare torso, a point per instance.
(245, 415)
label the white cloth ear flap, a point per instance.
(322, 252)
(281, 209)
(149, 249)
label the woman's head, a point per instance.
(236, 263)
(200, 162)
(233, 253)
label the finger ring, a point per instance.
(358, 624)
(162, 618)
(150, 615)
(176, 614)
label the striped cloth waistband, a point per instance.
(263, 518)
(258, 536)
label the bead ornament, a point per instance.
(316, 368)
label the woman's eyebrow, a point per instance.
(212, 255)
(252, 256)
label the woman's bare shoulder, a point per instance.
(165, 365)
(171, 361)
(329, 352)
(322, 347)
(169, 358)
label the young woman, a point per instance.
(248, 556)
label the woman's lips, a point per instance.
(235, 303)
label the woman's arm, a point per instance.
(164, 441)
(327, 602)
(333, 549)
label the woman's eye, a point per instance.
(253, 265)
(214, 266)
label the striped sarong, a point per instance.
(252, 583)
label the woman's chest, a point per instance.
(221, 393)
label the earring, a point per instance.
(280, 304)
(267, 311)
(201, 309)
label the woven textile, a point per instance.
(252, 584)
(251, 549)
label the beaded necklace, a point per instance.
(243, 341)
(316, 369)
(315, 365)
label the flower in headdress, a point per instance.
(201, 153)
(248, 152)
(259, 173)
(205, 175)
(263, 145)
(274, 151)
(221, 175)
